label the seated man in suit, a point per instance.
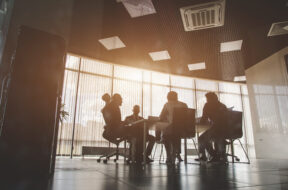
(171, 142)
(215, 112)
(114, 127)
(137, 131)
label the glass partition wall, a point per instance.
(86, 80)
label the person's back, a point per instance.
(114, 127)
(169, 137)
(113, 115)
(215, 112)
(167, 112)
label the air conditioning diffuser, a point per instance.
(203, 16)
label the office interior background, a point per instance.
(142, 49)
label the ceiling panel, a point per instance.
(245, 20)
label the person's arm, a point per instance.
(164, 113)
(204, 117)
(126, 121)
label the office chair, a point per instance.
(183, 126)
(112, 138)
(234, 132)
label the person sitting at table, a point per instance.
(171, 142)
(114, 128)
(137, 131)
(214, 111)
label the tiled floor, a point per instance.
(87, 174)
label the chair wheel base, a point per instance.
(105, 161)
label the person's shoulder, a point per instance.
(166, 104)
(129, 117)
(206, 105)
(223, 105)
(112, 104)
(182, 104)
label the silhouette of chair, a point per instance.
(234, 132)
(110, 136)
(183, 127)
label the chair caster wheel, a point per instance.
(115, 160)
(98, 160)
(237, 159)
(105, 161)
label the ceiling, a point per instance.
(247, 20)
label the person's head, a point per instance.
(211, 97)
(136, 109)
(106, 98)
(117, 98)
(172, 96)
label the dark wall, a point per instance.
(53, 16)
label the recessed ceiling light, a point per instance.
(159, 55)
(278, 28)
(239, 78)
(196, 66)
(285, 27)
(231, 46)
(112, 43)
(137, 8)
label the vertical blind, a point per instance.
(87, 80)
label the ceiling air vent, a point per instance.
(278, 28)
(203, 16)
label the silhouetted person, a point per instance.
(137, 131)
(215, 112)
(171, 141)
(114, 127)
(106, 98)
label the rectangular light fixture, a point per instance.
(231, 46)
(137, 8)
(239, 78)
(112, 43)
(278, 28)
(160, 55)
(196, 66)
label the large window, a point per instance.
(87, 80)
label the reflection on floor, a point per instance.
(87, 174)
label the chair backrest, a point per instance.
(183, 122)
(108, 134)
(234, 125)
(106, 115)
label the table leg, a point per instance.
(144, 143)
(232, 150)
(185, 151)
(125, 153)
